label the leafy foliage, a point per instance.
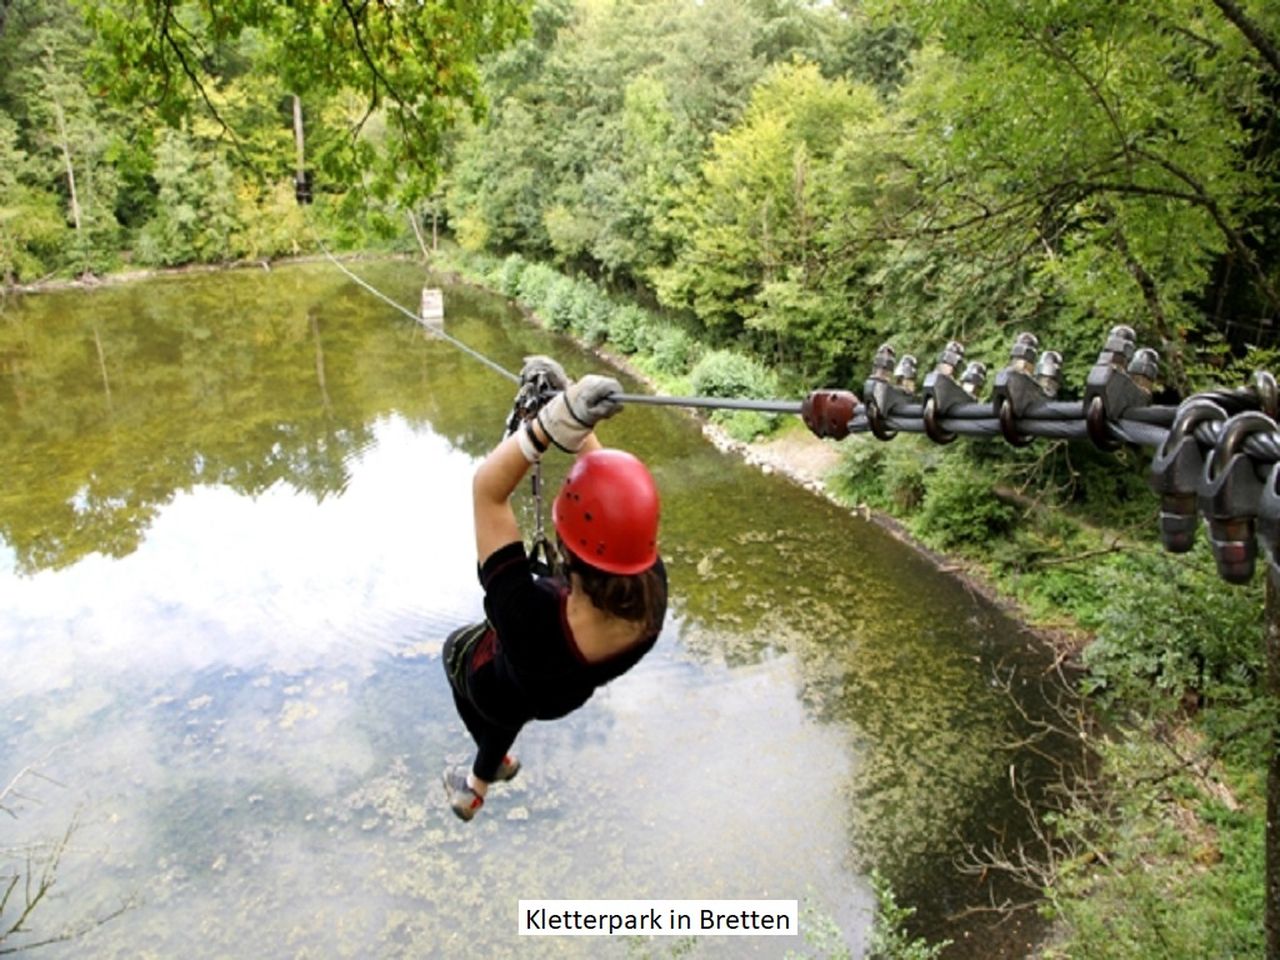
(889, 938)
(1170, 623)
(413, 67)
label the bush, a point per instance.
(673, 352)
(722, 373)
(558, 309)
(1169, 621)
(536, 283)
(591, 318)
(960, 509)
(888, 476)
(509, 275)
(626, 328)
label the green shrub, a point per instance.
(1169, 621)
(673, 352)
(596, 331)
(858, 476)
(509, 275)
(722, 373)
(625, 328)
(960, 509)
(745, 425)
(558, 308)
(889, 939)
(589, 313)
(888, 476)
(905, 476)
(536, 283)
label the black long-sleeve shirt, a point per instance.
(529, 666)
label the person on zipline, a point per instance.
(548, 641)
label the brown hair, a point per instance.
(638, 598)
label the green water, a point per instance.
(234, 528)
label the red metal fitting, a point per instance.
(829, 413)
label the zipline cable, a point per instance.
(711, 403)
(491, 364)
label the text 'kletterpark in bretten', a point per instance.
(540, 919)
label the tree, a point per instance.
(31, 226)
(61, 133)
(1115, 155)
(414, 64)
(755, 256)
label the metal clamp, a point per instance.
(942, 392)
(1229, 495)
(1120, 380)
(1269, 514)
(829, 413)
(1264, 384)
(890, 385)
(1175, 473)
(1017, 391)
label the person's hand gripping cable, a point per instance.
(572, 414)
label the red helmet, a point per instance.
(607, 512)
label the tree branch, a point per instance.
(378, 76)
(1252, 32)
(1233, 235)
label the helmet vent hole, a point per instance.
(587, 516)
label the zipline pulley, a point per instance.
(534, 392)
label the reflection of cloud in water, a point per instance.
(676, 781)
(281, 581)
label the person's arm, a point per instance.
(495, 480)
(568, 422)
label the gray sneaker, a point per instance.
(462, 799)
(508, 769)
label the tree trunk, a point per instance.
(417, 232)
(66, 156)
(299, 140)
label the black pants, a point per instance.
(493, 740)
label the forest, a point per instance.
(749, 198)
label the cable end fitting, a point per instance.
(829, 413)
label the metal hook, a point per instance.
(1007, 428)
(1190, 415)
(931, 428)
(875, 420)
(1096, 422)
(1238, 429)
(1229, 496)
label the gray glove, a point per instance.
(550, 370)
(571, 415)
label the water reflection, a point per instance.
(234, 528)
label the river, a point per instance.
(234, 528)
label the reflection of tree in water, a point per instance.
(900, 657)
(117, 400)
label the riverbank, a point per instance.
(90, 281)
